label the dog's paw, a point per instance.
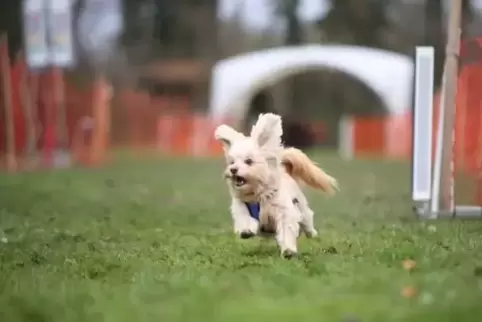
(311, 234)
(267, 230)
(246, 234)
(288, 254)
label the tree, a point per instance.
(11, 23)
(355, 22)
(436, 31)
(435, 35)
(288, 11)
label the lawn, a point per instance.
(151, 240)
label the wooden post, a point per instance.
(478, 159)
(61, 154)
(48, 135)
(61, 113)
(101, 117)
(449, 103)
(11, 160)
(28, 100)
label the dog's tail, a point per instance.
(301, 167)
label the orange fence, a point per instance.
(188, 135)
(136, 119)
(391, 136)
(30, 104)
(379, 136)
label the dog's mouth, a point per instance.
(238, 181)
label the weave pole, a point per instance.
(441, 203)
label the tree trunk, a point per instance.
(435, 36)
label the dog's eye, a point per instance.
(231, 161)
(248, 161)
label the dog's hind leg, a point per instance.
(307, 224)
(244, 225)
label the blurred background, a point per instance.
(160, 74)
(127, 94)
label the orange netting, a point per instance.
(468, 118)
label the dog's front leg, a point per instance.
(287, 232)
(244, 225)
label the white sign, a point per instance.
(48, 33)
(60, 32)
(35, 30)
(100, 25)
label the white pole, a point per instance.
(423, 125)
(345, 137)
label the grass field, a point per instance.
(151, 240)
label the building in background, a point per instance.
(169, 48)
(184, 50)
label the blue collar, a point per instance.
(254, 209)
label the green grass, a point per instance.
(151, 240)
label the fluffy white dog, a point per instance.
(263, 178)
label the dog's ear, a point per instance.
(226, 135)
(267, 131)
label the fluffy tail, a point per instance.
(301, 167)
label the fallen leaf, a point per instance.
(408, 292)
(409, 264)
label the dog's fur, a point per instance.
(260, 170)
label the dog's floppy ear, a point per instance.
(226, 135)
(267, 131)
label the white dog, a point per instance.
(263, 178)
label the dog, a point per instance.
(264, 179)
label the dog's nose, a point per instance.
(233, 170)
